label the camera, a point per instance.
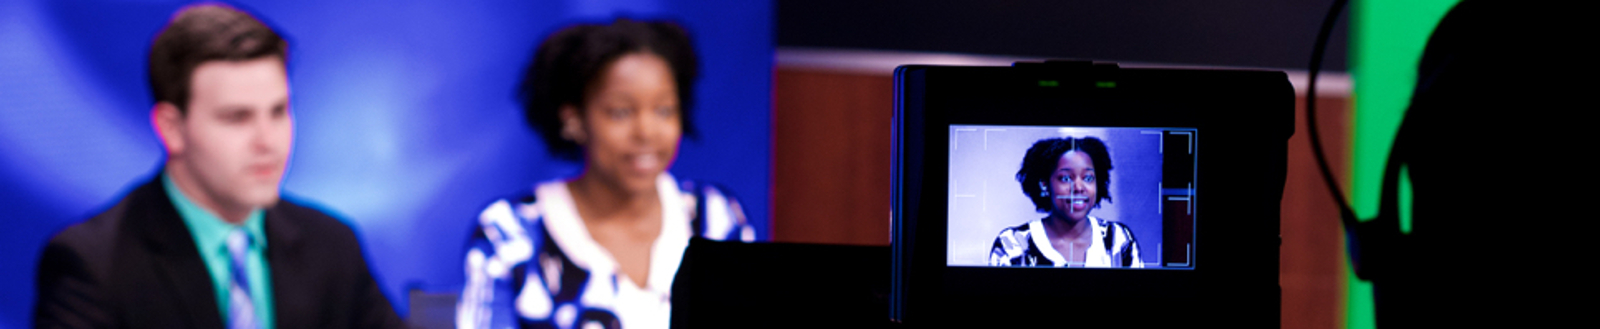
(1076, 192)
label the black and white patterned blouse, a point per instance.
(1027, 245)
(531, 262)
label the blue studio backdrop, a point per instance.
(406, 117)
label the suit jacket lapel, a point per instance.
(291, 295)
(177, 258)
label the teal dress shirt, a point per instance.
(210, 235)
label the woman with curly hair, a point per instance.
(1066, 178)
(600, 249)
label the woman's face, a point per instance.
(631, 123)
(1072, 186)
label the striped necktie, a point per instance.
(241, 308)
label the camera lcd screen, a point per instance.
(1071, 196)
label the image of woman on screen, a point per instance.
(600, 249)
(1066, 178)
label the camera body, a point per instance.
(1181, 227)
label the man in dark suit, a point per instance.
(208, 243)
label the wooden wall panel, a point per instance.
(831, 157)
(1311, 265)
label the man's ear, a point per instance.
(572, 124)
(168, 121)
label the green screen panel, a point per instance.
(1386, 43)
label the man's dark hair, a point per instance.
(203, 33)
(1041, 161)
(570, 61)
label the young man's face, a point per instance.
(234, 141)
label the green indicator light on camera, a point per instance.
(1048, 83)
(1105, 84)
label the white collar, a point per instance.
(1036, 227)
(568, 232)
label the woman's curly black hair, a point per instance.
(1040, 163)
(569, 62)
